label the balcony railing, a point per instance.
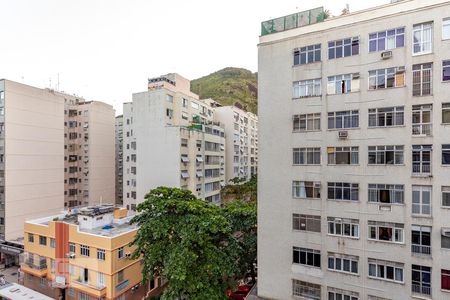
(41, 266)
(421, 289)
(421, 249)
(421, 168)
(422, 129)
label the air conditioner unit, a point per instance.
(355, 75)
(71, 255)
(386, 54)
(128, 255)
(317, 184)
(401, 69)
(445, 231)
(343, 134)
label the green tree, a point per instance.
(241, 190)
(243, 217)
(187, 241)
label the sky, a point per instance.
(107, 49)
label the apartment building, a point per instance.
(354, 154)
(119, 159)
(84, 254)
(31, 160)
(171, 139)
(241, 131)
(89, 152)
(56, 151)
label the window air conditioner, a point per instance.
(386, 54)
(343, 134)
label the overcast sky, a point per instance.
(106, 49)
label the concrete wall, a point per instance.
(34, 151)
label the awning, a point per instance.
(199, 174)
(184, 159)
(199, 159)
(184, 174)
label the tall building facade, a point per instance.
(354, 189)
(84, 254)
(56, 151)
(241, 131)
(31, 160)
(171, 139)
(119, 159)
(89, 152)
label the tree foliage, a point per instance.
(198, 247)
(241, 190)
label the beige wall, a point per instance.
(34, 151)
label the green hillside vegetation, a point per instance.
(230, 86)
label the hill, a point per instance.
(229, 86)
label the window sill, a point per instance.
(387, 88)
(385, 127)
(307, 198)
(306, 165)
(386, 165)
(387, 242)
(305, 131)
(306, 97)
(311, 63)
(341, 94)
(345, 165)
(387, 204)
(345, 201)
(422, 96)
(343, 129)
(421, 175)
(343, 272)
(422, 216)
(421, 53)
(343, 236)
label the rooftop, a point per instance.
(87, 220)
(19, 292)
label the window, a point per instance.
(386, 155)
(343, 155)
(71, 247)
(169, 113)
(195, 105)
(71, 292)
(101, 254)
(307, 88)
(306, 189)
(421, 156)
(42, 240)
(421, 280)
(386, 270)
(421, 239)
(445, 280)
(52, 243)
(343, 263)
(421, 200)
(43, 282)
(446, 70)
(100, 279)
(307, 122)
(83, 296)
(386, 116)
(422, 75)
(387, 40)
(31, 238)
(184, 116)
(343, 227)
(120, 276)
(307, 55)
(343, 48)
(343, 119)
(306, 222)
(343, 191)
(84, 250)
(343, 84)
(307, 257)
(422, 119)
(386, 193)
(446, 29)
(306, 290)
(387, 232)
(184, 102)
(2, 95)
(446, 154)
(306, 156)
(120, 253)
(446, 113)
(386, 78)
(423, 38)
(338, 294)
(446, 196)
(445, 238)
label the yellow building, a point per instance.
(84, 254)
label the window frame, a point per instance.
(310, 222)
(349, 117)
(421, 29)
(307, 290)
(312, 88)
(383, 113)
(353, 155)
(348, 83)
(85, 250)
(342, 258)
(393, 190)
(313, 119)
(314, 50)
(306, 156)
(343, 188)
(344, 44)
(398, 32)
(379, 155)
(385, 264)
(397, 230)
(420, 72)
(421, 190)
(315, 185)
(307, 255)
(394, 75)
(344, 225)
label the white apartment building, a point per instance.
(170, 138)
(354, 166)
(43, 136)
(241, 131)
(89, 152)
(119, 159)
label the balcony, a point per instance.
(94, 290)
(421, 289)
(421, 250)
(421, 169)
(39, 270)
